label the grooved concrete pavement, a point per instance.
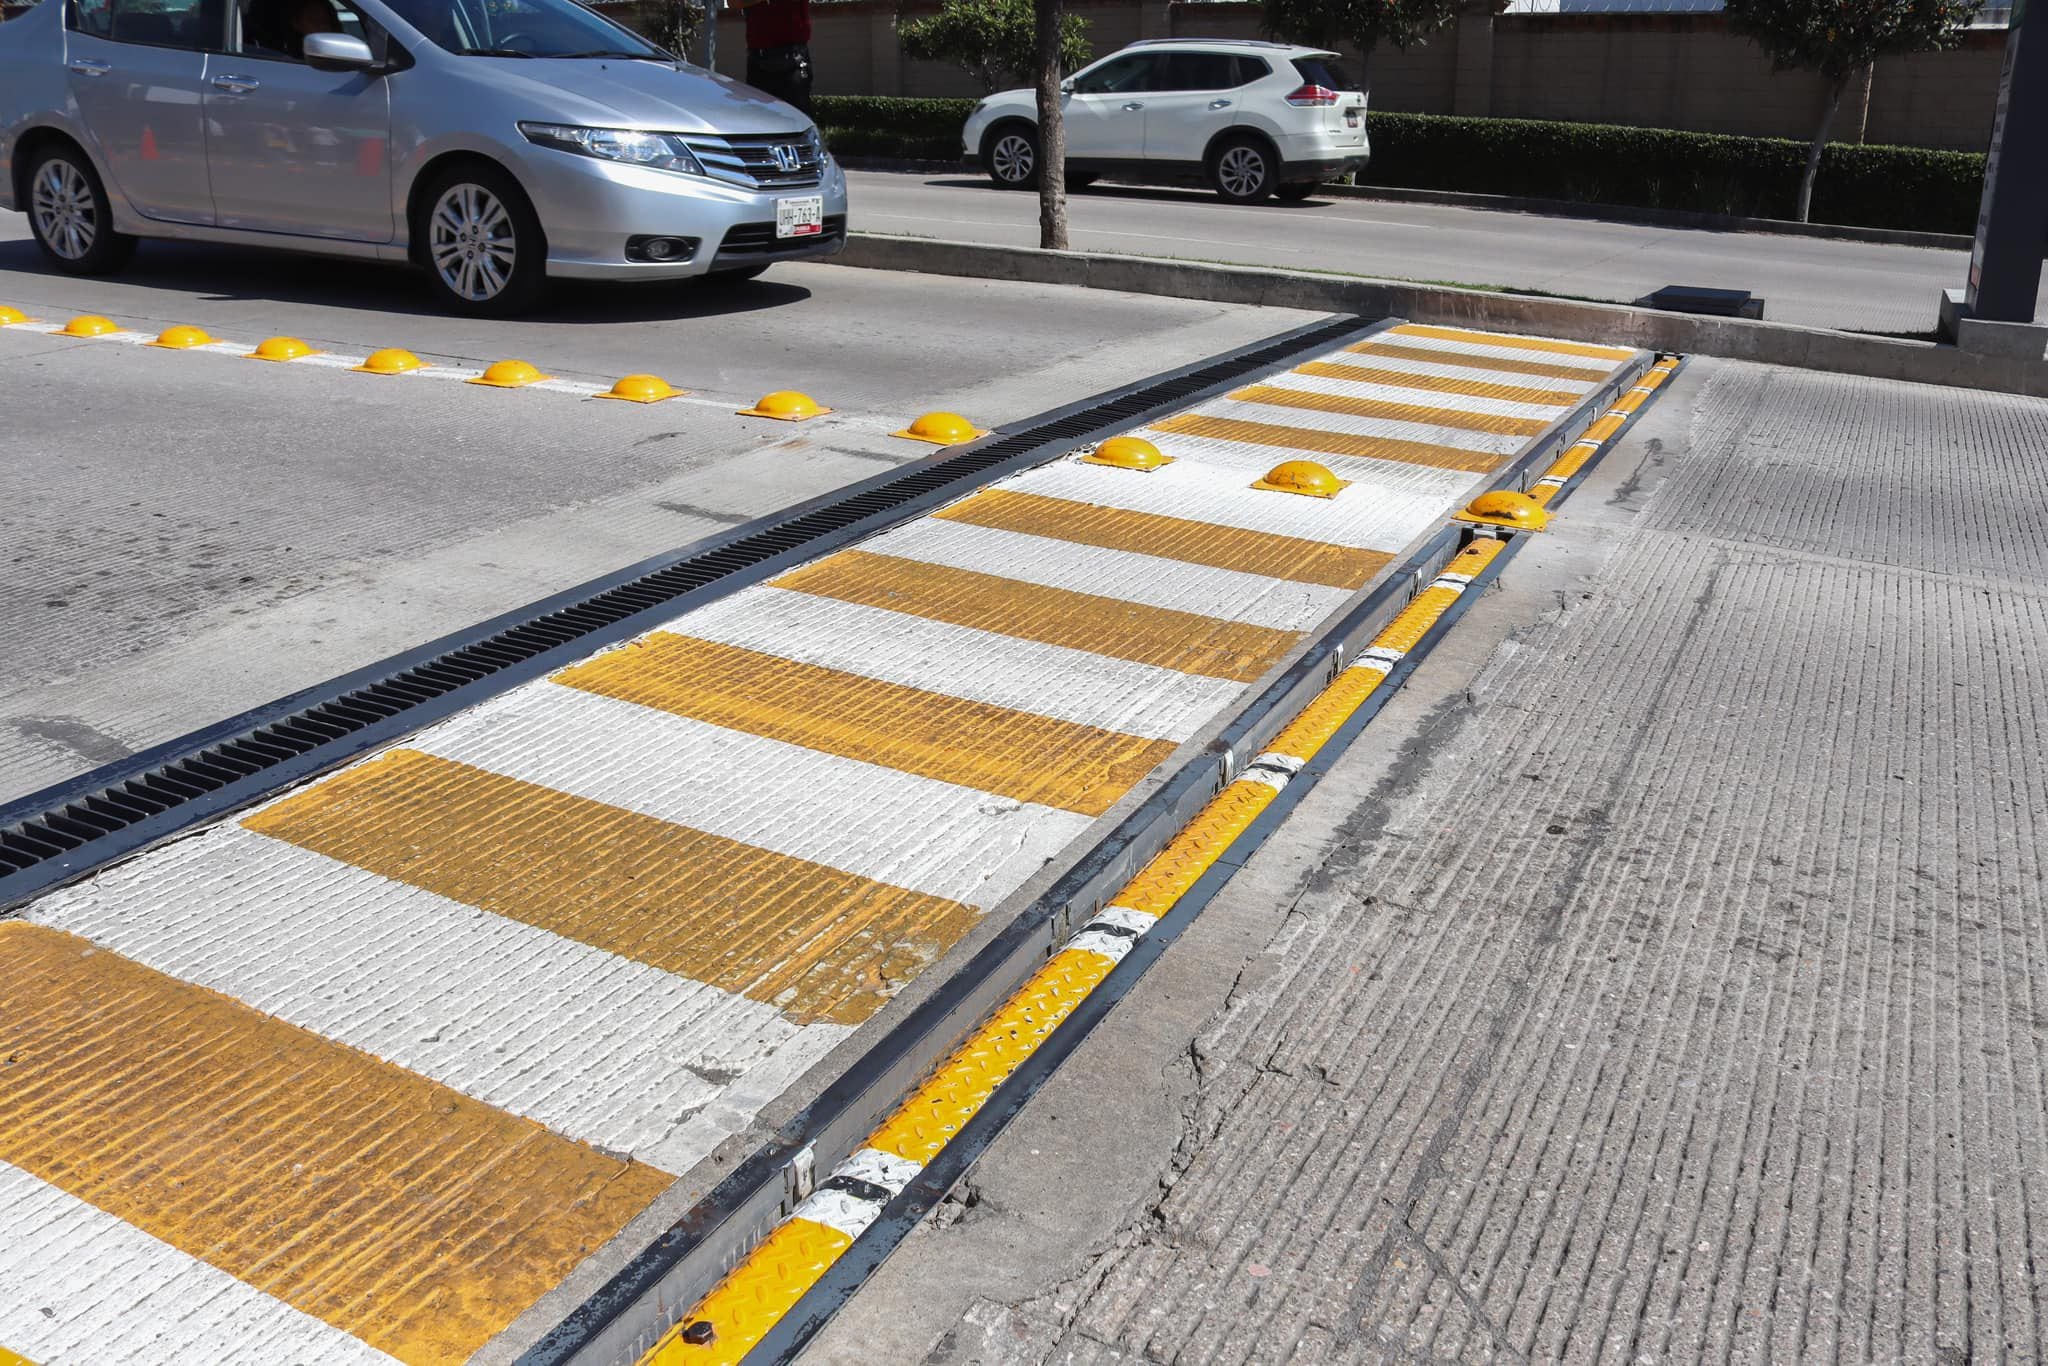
(1669, 993)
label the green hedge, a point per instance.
(1877, 187)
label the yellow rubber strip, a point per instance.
(1014, 754)
(1161, 636)
(814, 941)
(1331, 443)
(1617, 354)
(1441, 384)
(1601, 432)
(390, 1206)
(1534, 368)
(8, 1358)
(1426, 414)
(756, 1294)
(1170, 538)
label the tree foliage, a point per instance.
(672, 24)
(1838, 38)
(1364, 24)
(994, 40)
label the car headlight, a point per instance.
(660, 151)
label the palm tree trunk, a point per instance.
(1820, 144)
(1052, 130)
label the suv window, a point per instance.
(1120, 75)
(190, 24)
(1326, 72)
(1198, 71)
(1251, 69)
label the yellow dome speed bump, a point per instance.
(89, 325)
(281, 350)
(642, 389)
(786, 405)
(181, 338)
(508, 374)
(1305, 477)
(941, 429)
(392, 360)
(1128, 453)
(1505, 507)
(10, 316)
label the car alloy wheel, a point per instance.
(1242, 172)
(65, 215)
(471, 240)
(1013, 158)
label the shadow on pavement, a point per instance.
(225, 274)
(1169, 194)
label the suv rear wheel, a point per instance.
(1242, 169)
(481, 241)
(1010, 155)
(68, 213)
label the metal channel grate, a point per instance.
(46, 835)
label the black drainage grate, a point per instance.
(63, 832)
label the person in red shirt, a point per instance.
(779, 48)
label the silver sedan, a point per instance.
(494, 143)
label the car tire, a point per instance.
(1243, 169)
(481, 242)
(1294, 194)
(69, 214)
(1009, 153)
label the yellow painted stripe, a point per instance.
(385, 1204)
(1160, 636)
(1394, 412)
(757, 1293)
(1616, 354)
(815, 941)
(1171, 538)
(1014, 754)
(927, 1121)
(1309, 439)
(1441, 384)
(1535, 368)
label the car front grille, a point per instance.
(758, 242)
(766, 161)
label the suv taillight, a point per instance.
(1313, 94)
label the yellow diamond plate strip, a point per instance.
(926, 1122)
(753, 1297)
(8, 1358)
(1602, 431)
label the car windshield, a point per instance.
(522, 28)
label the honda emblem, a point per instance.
(788, 157)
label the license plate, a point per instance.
(803, 217)
(1352, 116)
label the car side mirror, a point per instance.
(1067, 86)
(337, 52)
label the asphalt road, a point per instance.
(1810, 281)
(189, 535)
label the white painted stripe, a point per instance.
(970, 846)
(1246, 461)
(1593, 365)
(1124, 918)
(79, 1285)
(1389, 393)
(1375, 517)
(841, 1210)
(1151, 580)
(983, 666)
(1111, 946)
(592, 1045)
(1491, 443)
(1449, 370)
(890, 1171)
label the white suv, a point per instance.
(1248, 119)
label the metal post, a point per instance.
(2012, 225)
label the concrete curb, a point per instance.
(1555, 208)
(1736, 338)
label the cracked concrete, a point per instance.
(1653, 981)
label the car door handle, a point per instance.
(86, 66)
(236, 85)
(1134, 105)
(1219, 104)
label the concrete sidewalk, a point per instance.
(1654, 981)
